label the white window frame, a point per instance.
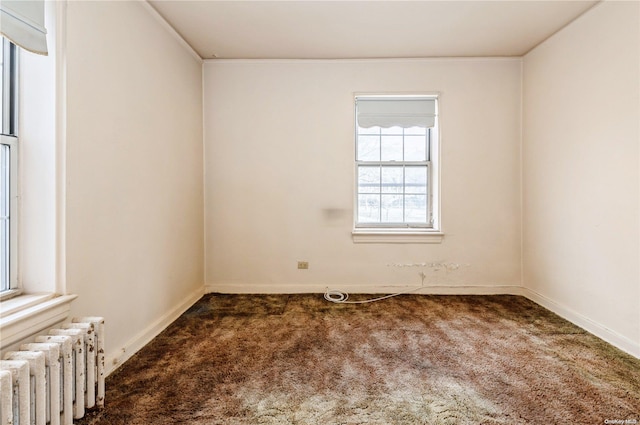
(29, 314)
(8, 137)
(429, 232)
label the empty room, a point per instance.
(320, 212)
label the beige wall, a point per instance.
(279, 161)
(134, 191)
(580, 172)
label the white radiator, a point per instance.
(53, 380)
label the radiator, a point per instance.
(53, 380)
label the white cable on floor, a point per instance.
(340, 297)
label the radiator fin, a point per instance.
(53, 380)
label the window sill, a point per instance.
(26, 315)
(396, 236)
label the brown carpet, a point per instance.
(413, 359)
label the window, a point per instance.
(8, 168)
(396, 159)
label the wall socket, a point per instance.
(303, 265)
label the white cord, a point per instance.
(340, 297)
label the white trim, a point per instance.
(15, 204)
(117, 356)
(61, 144)
(9, 293)
(15, 186)
(205, 174)
(32, 319)
(171, 30)
(601, 331)
(269, 288)
(13, 305)
(436, 171)
(379, 232)
(395, 236)
(521, 176)
(372, 60)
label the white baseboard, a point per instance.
(625, 344)
(116, 357)
(612, 337)
(236, 288)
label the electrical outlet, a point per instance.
(303, 265)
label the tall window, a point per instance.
(395, 144)
(8, 166)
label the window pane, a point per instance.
(368, 148)
(415, 148)
(392, 209)
(415, 207)
(415, 131)
(392, 180)
(392, 130)
(368, 208)
(415, 179)
(391, 148)
(369, 179)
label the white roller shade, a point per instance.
(396, 112)
(22, 22)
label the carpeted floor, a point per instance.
(413, 359)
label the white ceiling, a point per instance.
(366, 29)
